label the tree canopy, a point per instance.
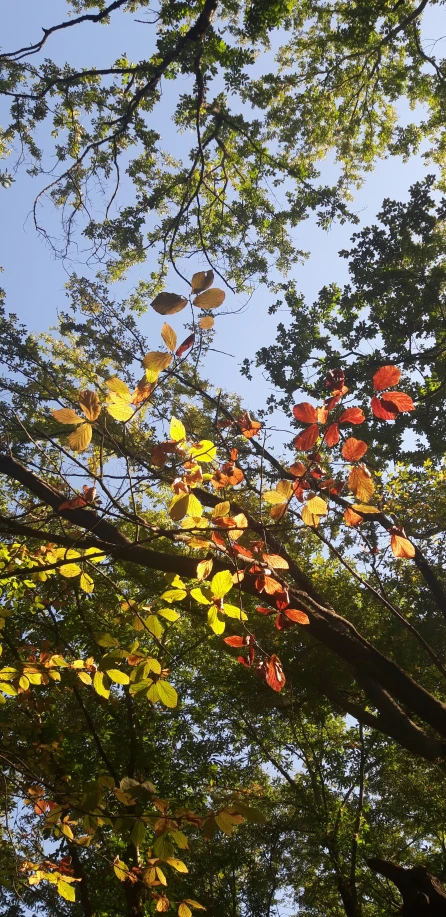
(222, 682)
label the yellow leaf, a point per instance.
(8, 689)
(221, 509)
(100, 684)
(402, 547)
(177, 864)
(221, 583)
(360, 482)
(66, 891)
(184, 910)
(365, 508)
(169, 337)
(69, 570)
(310, 518)
(168, 613)
(168, 303)
(80, 439)
(177, 430)
(215, 622)
(285, 489)
(67, 415)
(233, 612)
(206, 323)
(85, 678)
(151, 375)
(121, 870)
(157, 361)
(201, 281)
(90, 404)
(204, 568)
(178, 507)
(119, 410)
(118, 387)
(161, 876)
(317, 506)
(167, 694)
(204, 451)
(195, 904)
(86, 583)
(211, 299)
(273, 497)
(118, 677)
(278, 511)
(199, 596)
(194, 507)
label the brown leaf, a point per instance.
(90, 405)
(211, 299)
(168, 303)
(169, 337)
(201, 281)
(206, 323)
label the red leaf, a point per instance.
(185, 345)
(219, 541)
(294, 614)
(265, 611)
(352, 415)
(274, 675)
(332, 435)
(307, 438)
(305, 412)
(335, 379)
(244, 661)
(282, 622)
(234, 641)
(385, 410)
(249, 427)
(353, 449)
(401, 401)
(386, 377)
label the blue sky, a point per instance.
(34, 280)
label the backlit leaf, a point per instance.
(66, 891)
(201, 281)
(305, 412)
(120, 411)
(177, 864)
(90, 404)
(215, 622)
(221, 583)
(386, 377)
(69, 570)
(80, 439)
(118, 677)
(352, 415)
(185, 345)
(86, 583)
(167, 694)
(206, 323)
(177, 430)
(401, 546)
(295, 614)
(101, 684)
(67, 415)
(169, 337)
(360, 482)
(307, 438)
(400, 400)
(221, 509)
(204, 451)
(168, 303)
(275, 561)
(157, 361)
(332, 435)
(353, 449)
(138, 833)
(184, 910)
(211, 299)
(385, 410)
(204, 568)
(352, 518)
(119, 387)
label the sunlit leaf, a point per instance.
(177, 430)
(118, 677)
(221, 583)
(204, 568)
(86, 583)
(307, 438)
(90, 404)
(66, 891)
(167, 694)
(201, 281)
(204, 451)
(69, 570)
(119, 410)
(401, 546)
(332, 435)
(305, 412)
(215, 622)
(101, 685)
(177, 864)
(157, 361)
(385, 410)
(360, 482)
(352, 415)
(169, 337)
(206, 323)
(80, 439)
(119, 387)
(353, 449)
(386, 377)
(211, 299)
(67, 415)
(400, 400)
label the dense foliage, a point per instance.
(223, 670)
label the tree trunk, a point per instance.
(423, 895)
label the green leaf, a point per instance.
(168, 613)
(174, 595)
(154, 625)
(215, 622)
(138, 833)
(162, 847)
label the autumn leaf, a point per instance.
(118, 387)
(206, 323)
(305, 412)
(307, 438)
(168, 303)
(210, 299)
(201, 281)
(80, 439)
(157, 361)
(353, 449)
(352, 415)
(352, 518)
(386, 377)
(177, 430)
(401, 546)
(400, 401)
(204, 568)
(67, 416)
(383, 409)
(221, 583)
(249, 427)
(360, 482)
(90, 404)
(169, 337)
(332, 435)
(294, 614)
(275, 561)
(186, 345)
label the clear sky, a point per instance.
(34, 279)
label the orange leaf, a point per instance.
(352, 518)
(385, 410)
(400, 400)
(401, 546)
(307, 438)
(360, 482)
(298, 469)
(386, 377)
(352, 415)
(275, 561)
(234, 641)
(271, 671)
(322, 415)
(294, 614)
(332, 435)
(249, 427)
(305, 412)
(353, 449)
